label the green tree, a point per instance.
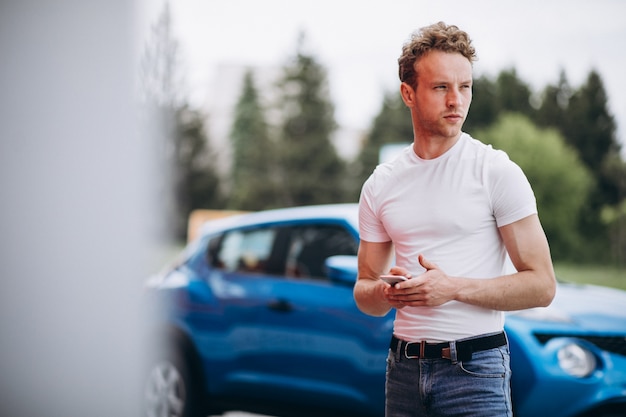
(615, 218)
(614, 215)
(590, 128)
(559, 179)
(513, 94)
(196, 182)
(392, 125)
(583, 118)
(491, 98)
(311, 170)
(254, 183)
(484, 109)
(554, 103)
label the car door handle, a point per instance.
(280, 305)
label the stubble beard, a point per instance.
(440, 129)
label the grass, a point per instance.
(607, 276)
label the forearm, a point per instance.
(374, 260)
(369, 297)
(522, 290)
(532, 286)
(535, 283)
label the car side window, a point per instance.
(292, 251)
(311, 245)
(245, 250)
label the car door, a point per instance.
(233, 340)
(288, 334)
(317, 344)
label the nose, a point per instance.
(454, 98)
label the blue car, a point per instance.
(258, 315)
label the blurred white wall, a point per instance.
(77, 214)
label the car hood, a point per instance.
(586, 306)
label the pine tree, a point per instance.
(254, 183)
(311, 170)
(490, 99)
(484, 109)
(590, 128)
(196, 182)
(554, 103)
(513, 94)
(392, 125)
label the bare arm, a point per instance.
(534, 284)
(374, 260)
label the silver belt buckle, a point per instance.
(406, 350)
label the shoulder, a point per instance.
(384, 172)
(492, 160)
(508, 188)
(478, 148)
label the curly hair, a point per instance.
(440, 37)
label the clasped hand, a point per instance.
(432, 288)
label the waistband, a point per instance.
(463, 348)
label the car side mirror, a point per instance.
(342, 269)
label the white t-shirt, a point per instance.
(448, 209)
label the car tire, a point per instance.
(172, 389)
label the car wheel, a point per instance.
(170, 389)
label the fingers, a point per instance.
(398, 270)
(418, 291)
(426, 264)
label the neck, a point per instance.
(433, 147)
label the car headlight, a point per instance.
(576, 360)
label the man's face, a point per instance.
(443, 94)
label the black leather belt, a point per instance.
(464, 348)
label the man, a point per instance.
(448, 210)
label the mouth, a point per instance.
(454, 118)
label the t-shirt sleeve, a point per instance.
(512, 196)
(370, 227)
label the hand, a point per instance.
(432, 288)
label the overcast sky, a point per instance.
(358, 41)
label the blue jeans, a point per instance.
(479, 387)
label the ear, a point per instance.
(408, 94)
